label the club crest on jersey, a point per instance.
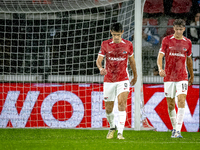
(99, 51)
(124, 52)
(184, 49)
(105, 98)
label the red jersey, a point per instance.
(116, 59)
(176, 52)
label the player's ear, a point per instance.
(111, 31)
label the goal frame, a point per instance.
(139, 5)
(138, 96)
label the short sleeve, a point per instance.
(189, 52)
(163, 46)
(102, 52)
(130, 54)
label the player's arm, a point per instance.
(190, 69)
(159, 63)
(133, 67)
(99, 65)
(161, 54)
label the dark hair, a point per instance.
(179, 22)
(117, 27)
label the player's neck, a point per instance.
(120, 40)
(178, 37)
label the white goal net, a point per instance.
(48, 51)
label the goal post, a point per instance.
(48, 73)
(138, 61)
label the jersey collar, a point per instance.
(120, 42)
(177, 39)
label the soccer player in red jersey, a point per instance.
(117, 52)
(177, 51)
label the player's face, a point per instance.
(117, 36)
(197, 17)
(178, 31)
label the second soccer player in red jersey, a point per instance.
(117, 53)
(177, 51)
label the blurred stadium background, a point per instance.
(48, 72)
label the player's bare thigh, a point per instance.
(122, 99)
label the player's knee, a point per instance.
(171, 107)
(108, 111)
(109, 107)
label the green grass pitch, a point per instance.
(77, 139)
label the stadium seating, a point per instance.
(170, 30)
(181, 6)
(154, 6)
(153, 21)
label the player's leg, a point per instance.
(110, 117)
(172, 114)
(181, 87)
(180, 114)
(109, 113)
(122, 92)
(122, 100)
(172, 111)
(170, 91)
(109, 97)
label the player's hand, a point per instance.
(162, 73)
(103, 71)
(191, 79)
(133, 81)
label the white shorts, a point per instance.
(173, 89)
(112, 89)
